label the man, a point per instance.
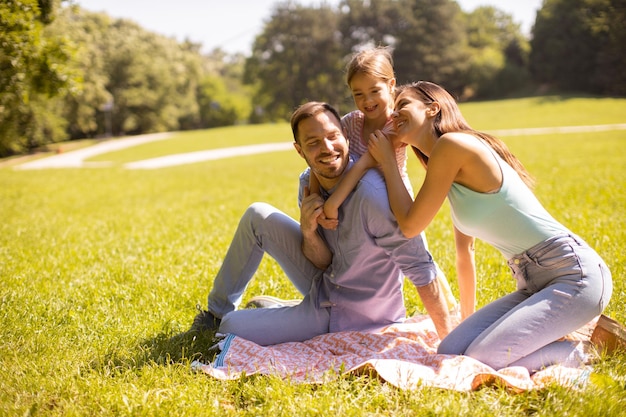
(351, 277)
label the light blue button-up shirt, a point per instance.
(362, 287)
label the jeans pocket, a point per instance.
(560, 257)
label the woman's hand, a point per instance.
(380, 148)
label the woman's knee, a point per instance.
(448, 346)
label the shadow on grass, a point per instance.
(163, 349)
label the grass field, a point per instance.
(101, 268)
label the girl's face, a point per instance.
(372, 95)
(410, 117)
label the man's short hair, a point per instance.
(307, 110)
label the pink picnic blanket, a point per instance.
(402, 354)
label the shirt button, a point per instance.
(516, 262)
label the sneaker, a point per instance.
(205, 321)
(267, 301)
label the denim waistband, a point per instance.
(544, 246)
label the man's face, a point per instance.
(324, 147)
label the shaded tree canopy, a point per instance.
(69, 73)
(32, 70)
(578, 45)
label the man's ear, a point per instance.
(298, 149)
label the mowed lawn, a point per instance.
(101, 269)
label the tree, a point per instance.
(578, 45)
(611, 59)
(32, 70)
(371, 23)
(151, 78)
(499, 54)
(221, 96)
(296, 58)
(433, 44)
(85, 103)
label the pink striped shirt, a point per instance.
(352, 124)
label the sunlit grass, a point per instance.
(100, 269)
(546, 111)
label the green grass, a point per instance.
(545, 111)
(100, 270)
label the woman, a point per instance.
(562, 283)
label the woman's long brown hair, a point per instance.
(450, 119)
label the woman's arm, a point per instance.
(466, 272)
(444, 163)
(347, 184)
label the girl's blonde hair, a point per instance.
(450, 119)
(375, 62)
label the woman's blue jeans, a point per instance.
(562, 285)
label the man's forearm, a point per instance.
(435, 303)
(315, 250)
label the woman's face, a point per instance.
(410, 116)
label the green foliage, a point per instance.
(499, 55)
(216, 104)
(101, 270)
(66, 72)
(433, 45)
(481, 54)
(295, 59)
(577, 45)
(32, 71)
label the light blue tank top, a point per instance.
(512, 219)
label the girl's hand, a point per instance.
(327, 222)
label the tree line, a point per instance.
(67, 73)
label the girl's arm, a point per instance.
(347, 184)
(466, 272)
(323, 220)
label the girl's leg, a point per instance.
(262, 229)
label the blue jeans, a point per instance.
(265, 229)
(562, 285)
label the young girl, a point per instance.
(562, 283)
(371, 79)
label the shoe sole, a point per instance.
(267, 301)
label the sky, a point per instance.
(233, 24)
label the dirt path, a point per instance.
(76, 159)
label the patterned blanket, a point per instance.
(402, 354)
